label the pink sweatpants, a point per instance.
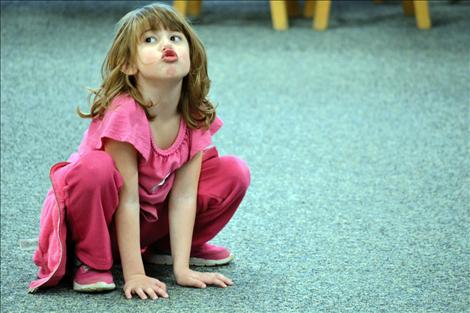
(92, 189)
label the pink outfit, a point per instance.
(85, 191)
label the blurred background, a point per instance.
(353, 117)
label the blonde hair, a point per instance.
(195, 108)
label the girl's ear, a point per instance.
(129, 70)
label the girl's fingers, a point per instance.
(160, 285)
(217, 279)
(219, 282)
(197, 283)
(141, 293)
(127, 293)
(226, 280)
(160, 291)
(151, 293)
(212, 280)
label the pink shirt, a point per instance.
(125, 121)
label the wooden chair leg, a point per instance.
(423, 20)
(180, 6)
(194, 7)
(408, 8)
(309, 8)
(279, 14)
(322, 14)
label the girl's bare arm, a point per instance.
(128, 225)
(182, 212)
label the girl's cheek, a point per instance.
(184, 58)
(148, 57)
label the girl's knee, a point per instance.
(95, 168)
(237, 172)
(92, 188)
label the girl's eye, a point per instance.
(175, 38)
(150, 39)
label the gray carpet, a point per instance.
(357, 139)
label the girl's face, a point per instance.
(162, 54)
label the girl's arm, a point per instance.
(182, 212)
(128, 224)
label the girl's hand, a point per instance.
(144, 287)
(190, 278)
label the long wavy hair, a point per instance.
(195, 108)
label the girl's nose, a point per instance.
(166, 44)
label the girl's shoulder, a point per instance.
(216, 125)
(124, 108)
(213, 128)
(124, 102)
(124, 120)
(201, 139)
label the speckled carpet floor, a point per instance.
(357, 139)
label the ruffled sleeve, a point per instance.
(124, 121)
(201, 139)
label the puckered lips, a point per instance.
(169, 56)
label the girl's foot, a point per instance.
(90, 280)
(205, 255)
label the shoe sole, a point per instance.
(96, 287)
(160, 259)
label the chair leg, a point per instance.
(309, 8)
(279, 14)
(194, 7)
(322, 14)
(423, 20)
(180, 6)
(408, 8)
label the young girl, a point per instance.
(145, 184)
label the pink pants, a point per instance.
(92, 188)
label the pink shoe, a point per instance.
(89, 280)
(205, 255)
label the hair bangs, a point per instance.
(152, 17)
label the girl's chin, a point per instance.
(170, 73)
